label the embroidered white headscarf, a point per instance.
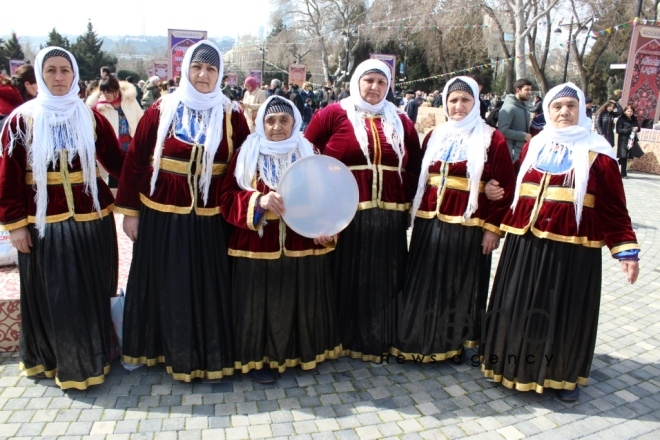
(270, 158)
(469, 137)
(357, 108)
(57, 123)
(208, 107)
(578, 140)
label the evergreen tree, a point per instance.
(4, 62)
(13, 49)
(56, 39)
(90, 57)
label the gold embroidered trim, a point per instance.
(14, 225)
(55, 177)
(533, 386)
(288, 363)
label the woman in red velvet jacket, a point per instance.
(380, 146)
(283, 296)
(456, 230)
(178, 297)
(568, 203)
(59, 213)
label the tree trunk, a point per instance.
(519, 29)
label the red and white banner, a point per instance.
(297, 74)
(256, 74)
(178, 42)
(160, 70)
(14, 65)
(232, 79)
(641, 87)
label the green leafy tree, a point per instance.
(90, 57)
(56, 39)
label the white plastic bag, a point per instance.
(117, 313)
(8, 253)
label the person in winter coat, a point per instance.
(605, 119)
(151, 92)
(625, 126)
(10, 98)
(513, 119)
(117, 102)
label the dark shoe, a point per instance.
(569, 395)
(264, 376)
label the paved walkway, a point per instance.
(349, 399)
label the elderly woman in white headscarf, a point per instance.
(381, 147)
(283, 296)
(59, 214)
(456, 228)
(568, 202)
(178, 297)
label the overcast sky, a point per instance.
(134, 17)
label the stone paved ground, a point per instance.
(349, 399)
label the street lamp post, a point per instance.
(347, 34)
(263, 51)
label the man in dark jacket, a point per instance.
(412, 106)
(276, 89)
(296, 98)
(513, 119)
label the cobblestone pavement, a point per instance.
(348, 399)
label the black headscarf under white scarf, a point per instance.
(58, 123)
(209, 106)
(356, 108)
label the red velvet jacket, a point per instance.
(332, 133)
(17, 206)
(277, 240)
(446, 195)
(546, 207)
(178, 176)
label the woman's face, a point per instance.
(203, 77)
(629, 112)
(459, 105)
(32, 89)
(58, 75)
(564, 112)
(610, 108)
(278, 126)
(373, 88)
(110, 95)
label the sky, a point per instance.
(219, 17)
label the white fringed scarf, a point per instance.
(357, 109)
(54, 123)
(578, 140)
(208, 108)
(270, 158)
(469, 138)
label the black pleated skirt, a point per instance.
(445, 291)
(67, 281)
(178, 297)
(284, 313)
(543, 314)
(369, 266)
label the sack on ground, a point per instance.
(8, 253)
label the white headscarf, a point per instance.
(58, 122)
(271, 158)
(578, 140)
(211, 107)
(469, 137)
(356, 108)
